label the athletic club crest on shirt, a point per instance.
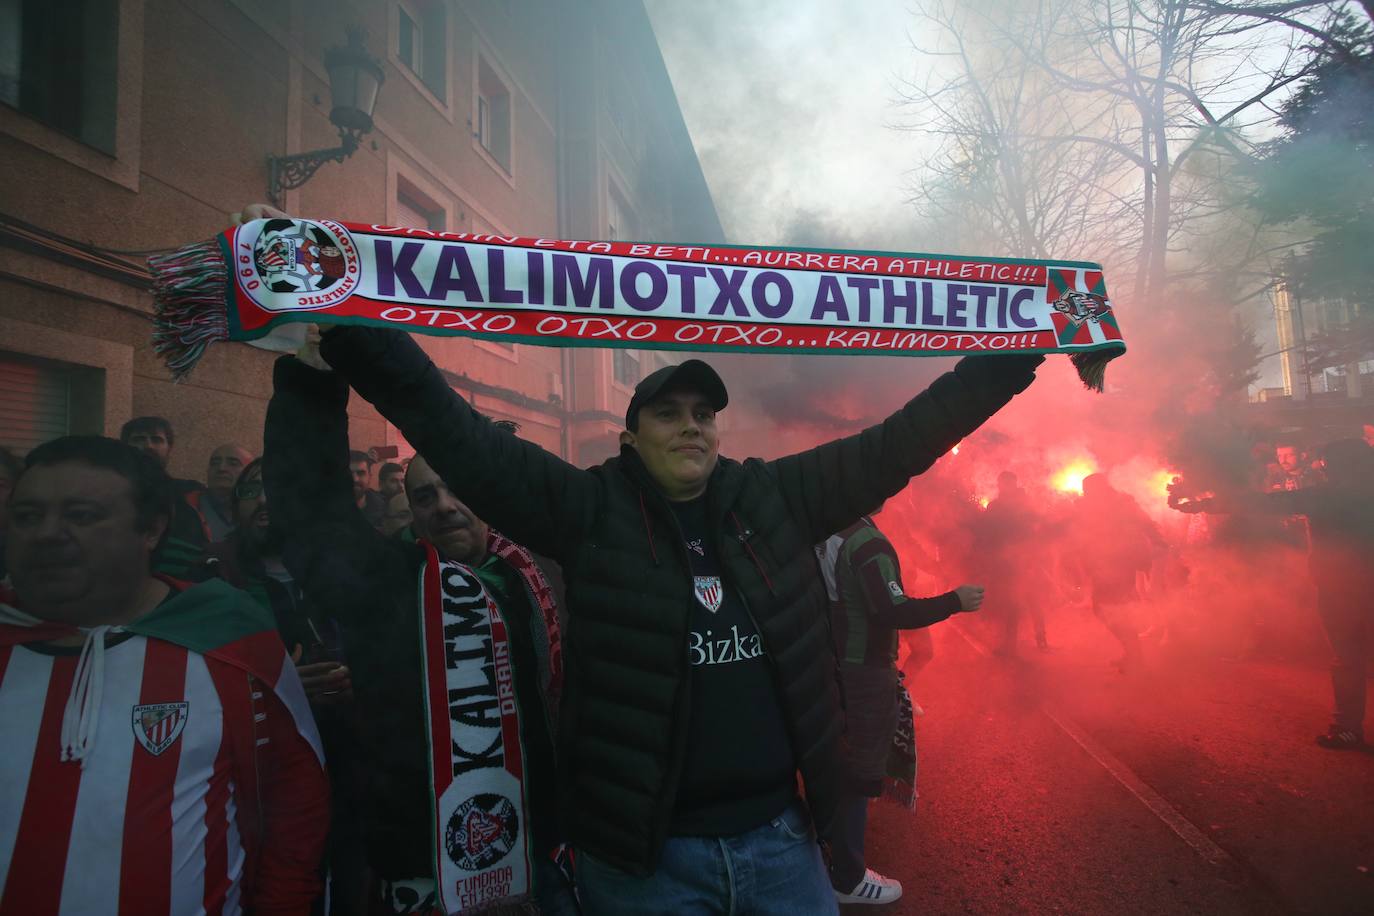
(157, 726)
(709, 592)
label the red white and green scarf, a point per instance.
(480, 807)
(254, 278)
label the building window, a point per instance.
(58, 61)
(416, 209)
(408, 41)
(626, 367)
(492, 120)
(619, 219)
(421, 45)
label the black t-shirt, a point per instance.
(739, 770)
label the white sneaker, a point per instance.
(874, 888)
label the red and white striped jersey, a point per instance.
(149, 823)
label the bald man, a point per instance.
(215, 503)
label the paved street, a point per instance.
(1052, 784)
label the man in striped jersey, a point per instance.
(159, 752)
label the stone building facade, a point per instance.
(128, 126)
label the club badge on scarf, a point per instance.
(477, 766)
(253, 278)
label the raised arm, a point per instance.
(531, 496)
(879, 576)
(830, 486)
(331, 550)
(1281, 502)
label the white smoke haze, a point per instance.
(950, 128)
(787, 104)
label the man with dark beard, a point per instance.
(186, 536)
(370, 503)
(251, 559)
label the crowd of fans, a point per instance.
(620, 696)
(654, 779)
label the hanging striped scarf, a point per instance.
(480, 805)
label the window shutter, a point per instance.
(35, 404)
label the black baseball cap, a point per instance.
(692, 374)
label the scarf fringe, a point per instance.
(1092, 367)
(189, 306)
(900, 792)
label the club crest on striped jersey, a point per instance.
(157, 726)
(709, 592)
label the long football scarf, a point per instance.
(480, 811)
(899, 779)
(254, 278)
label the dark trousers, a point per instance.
(847, 865)
(1348, 617)
(346, 852)
(870, 719)
(1011, 611)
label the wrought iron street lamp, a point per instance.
(354, 80)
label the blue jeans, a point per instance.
(772, 869)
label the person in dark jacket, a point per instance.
(864, 580)
(187, 537)
(1112, 541)
(369, 502)
(700, 671)
(250, 559)
(1340, 513)
(1010, 536)
(370, 583)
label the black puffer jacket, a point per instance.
(369, 584)
(629, 588)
